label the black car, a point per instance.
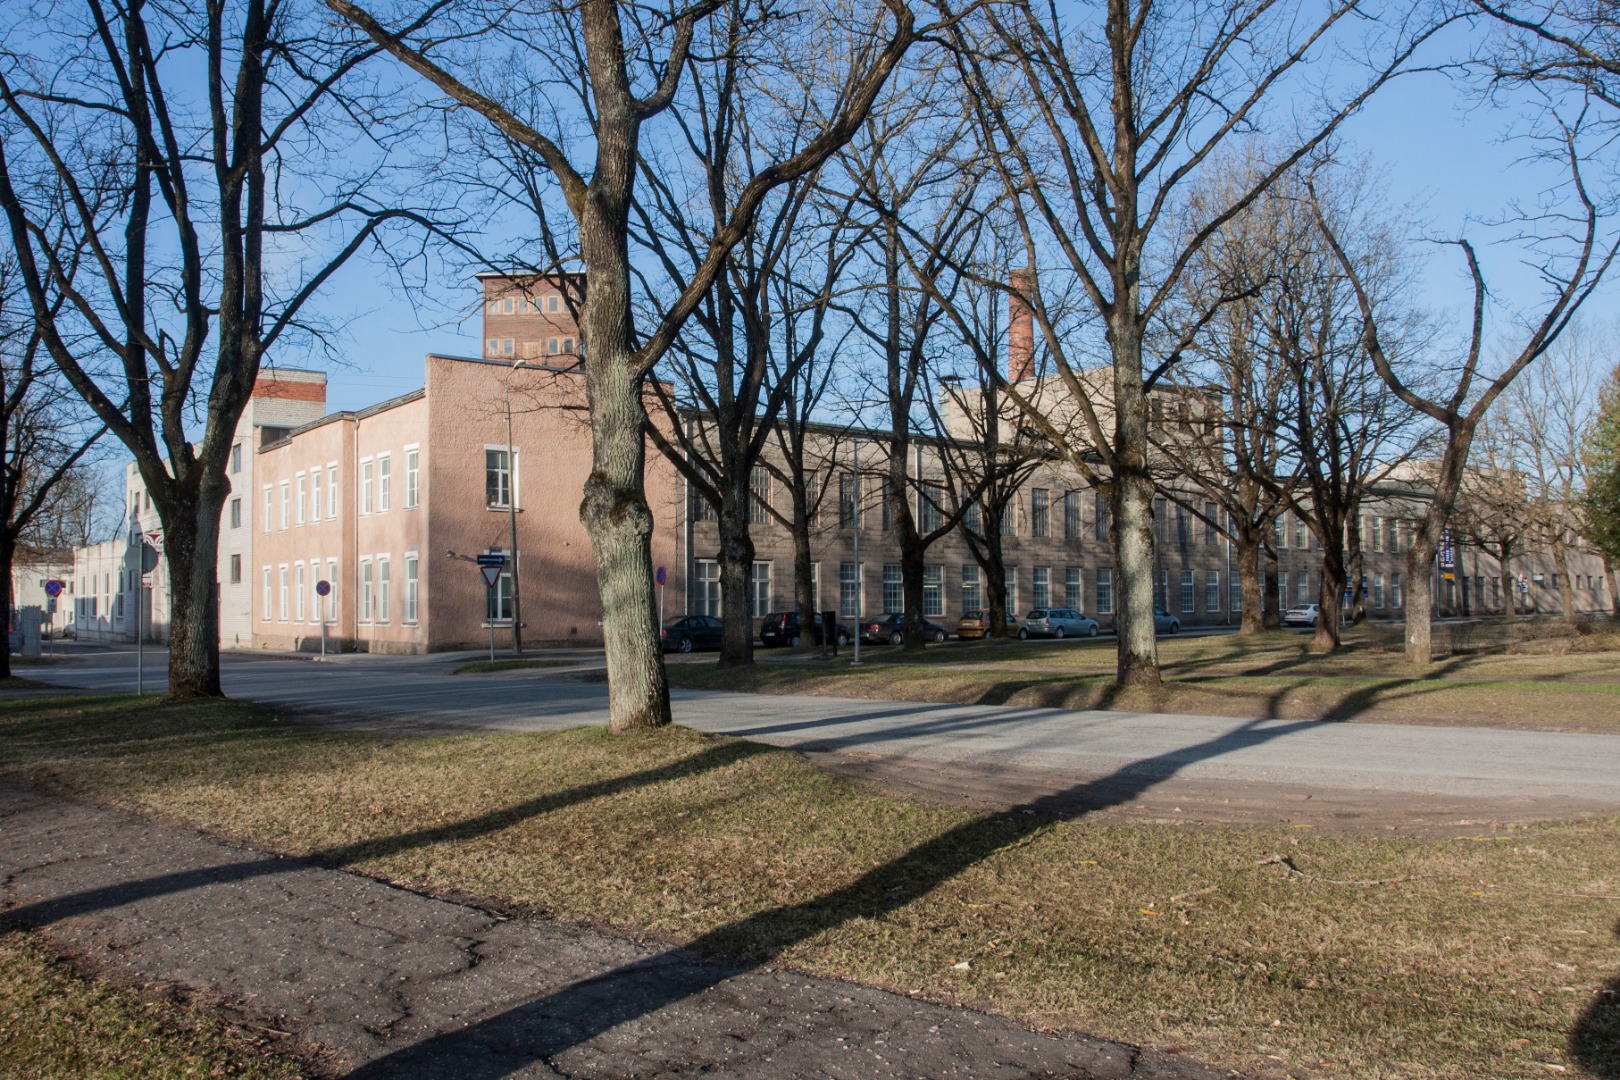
(691, 632)
(782, 628)
(891, 630)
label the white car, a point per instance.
(1304, 615)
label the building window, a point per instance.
(1235, 590)
(236, 569)
(314, 597)
(1071, 517)
(303, 491)
(1160, 514)
(972, 593)
(298, 592)
(1071, 588)
(236, 513)
(385, 482)
(1188, 596)
(1038, 498)
(846, 500)
(815, 586)
(702, 509)
(282, 606)
(236, 458)
(894, 591)
(1210, 517)
(1377, 534)
(933, 592)
(1041, 586)
(1391, 536)
(1008, 522)
(759, 589)
(972, 519)
(1161, 590)
(266, 606)
(411, 572)
(1280, 527)
(267, 508)
(933, 497)
(883, 503)
(413, 478)
(286, 503)
(1302, 588)
(1105, 591)
(1282, 592)
(849, 590)
(1104, 515)
(384, 587)
(1395, 590)
(1011, 600)
(315, 494)
(1378, 590)
(368, 485)
(497, 479)
(331, 489)
(759, 498)
(331, 597)
(1299, 532)
(706, 588)
(366, 588)
(1212, 590)
(1183, 526)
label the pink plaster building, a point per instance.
(392, 505)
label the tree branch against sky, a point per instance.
(627, 63)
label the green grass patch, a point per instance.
(55, 1023)
(484, 667)
(1339, 956)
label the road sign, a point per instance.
(492, 575)
(1448, 552)
(149, 558)
(53, 588)
(323, 588)
(497, 559)
(659, 575)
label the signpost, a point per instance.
(323, 588)
(490, 566)
(660, 576)
(149, 559)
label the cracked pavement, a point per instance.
(372, 981)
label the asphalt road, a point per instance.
(992, 755)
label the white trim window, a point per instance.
(1188, 596)
(933, 591)
(759, 589)
(706, 587)
(286, 504)
(1073, 593)
(368, 485)
(1040, 582)
(384, 587)
(972, 594)
(894, 588)
(385, 482)
(365, 590)
(331, 597)
(265, 610)
(303, 494)
(298, 592)
(1011, 599)
(1212, 590)
(331, 489)
(315, 494)
(412, 571)
(499, 477)
(282, 572)
(413, 477)
(1394, 590)
(268, 501)
(849, 590)
(1105, 589)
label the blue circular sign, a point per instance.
(323, 588)
(53, 589)
(660, 575)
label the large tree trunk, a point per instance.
(1137, 657)
(994, 568)
(1611, 578)
(1566, 582)
(912, 560)
(1330, 609)
(804, 593)
(1270, 603)
(1246, 552)
(736, 568)
(8, 555)
(1510, 600)
(191, 549)
(1420, 596)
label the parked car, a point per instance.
(1303, 615)
(691, 632)
(1057, 622)
(973, 625)
(891, 630)
(782, 628)
(1164, 622)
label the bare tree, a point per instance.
(622, 66)
(1097, 124)
(1573, 267)
(1492, 511)
(187, 210)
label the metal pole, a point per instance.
(511, 513)
(855, 497)
(140, 648)
(322, 602)
(492, 639)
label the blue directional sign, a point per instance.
(497, 559)
(1448, 551)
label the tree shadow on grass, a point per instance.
(1594, 1043)
(546, 1027)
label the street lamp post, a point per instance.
(511, 516)
(855, 498)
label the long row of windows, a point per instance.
(290, 590)
(312, 494)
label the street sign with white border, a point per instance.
(492, 575)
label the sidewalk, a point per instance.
(372, 981)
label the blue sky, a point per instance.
(1439, 150)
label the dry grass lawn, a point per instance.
(1543, 679)
(1284, 951)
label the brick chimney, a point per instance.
(1020, 327)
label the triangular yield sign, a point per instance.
(492, 574)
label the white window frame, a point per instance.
(368, 493)
(302, 481)
(514, 494)
(286, 504)
(315, 493)
(269, 596)
(1189, 593)
(367, 594)
(1212, 590)
(972, 583)
(385, 588)
(706, 587)
(1105, 590)
(759, 588)
(282, 596)
(1040, 581)
(331, 489)
(269, 506)
(385, 482)
(298, 591)
(413, 477)
(933, 591)
(331, 597)
(413, 571)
